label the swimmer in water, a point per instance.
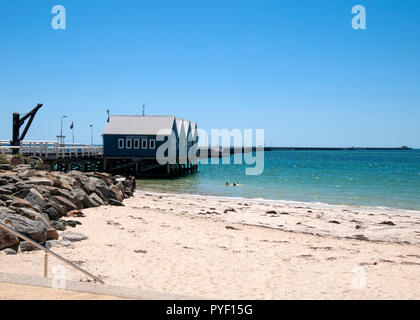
(227, 183)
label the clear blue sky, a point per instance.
(294, 68)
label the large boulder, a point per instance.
(81, 198)
(35, 198)
(52, 213)
(6, 191)
(53, 203)
(86, 183)
(6, 210)
(67, 204)
(20, 203)
(96, 200)
(52, 234)
(42, 181)
(35, 230)
(25, 246)
(8, 239)
(27, 213)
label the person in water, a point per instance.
(227, 183)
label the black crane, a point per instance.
(18, 122)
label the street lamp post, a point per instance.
(91, 133)
(61, 132)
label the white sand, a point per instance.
(188, 245)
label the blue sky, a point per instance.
(294, 68)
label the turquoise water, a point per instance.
(353, 177)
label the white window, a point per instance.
(128, 144)
(144, 144)
(136, 144)
(120, 143)
(152, 143)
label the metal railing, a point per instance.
(51, 149)
(47, 251)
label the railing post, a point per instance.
(46, 265)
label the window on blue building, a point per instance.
(120, 143)
(128, 145)
(152, 143)
(144, 144)
(136, 144)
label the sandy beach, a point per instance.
(209, 247)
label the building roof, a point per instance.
(138, 125)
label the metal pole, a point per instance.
(61, 132)
(91, 133)
(46, 265)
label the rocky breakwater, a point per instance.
(33, 202)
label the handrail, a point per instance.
(35, 244)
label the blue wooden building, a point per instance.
(132, 142)
(137, 136)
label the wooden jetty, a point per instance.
(87, 158)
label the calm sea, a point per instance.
(362, 178)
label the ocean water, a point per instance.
(353, 177)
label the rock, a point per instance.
(35, 230)
(334, 221)
(2, 203)
(7, 239)
(25, 246)
(20, 203)
(59, 225)
(28, 213)
(81, 198)
(65, 194)
(71, 223)
(52, 213)
(9, 251)
(6, 210)
(75, 213)
(96, 199)
(53, 203)
(116, 193)
(52, 234)
(116, 203)
(5, 167)
(73, 236)
(389, 223)
(40, 181)
(120, 186)
(5, 191)
(35, 198)
(102, 196)
(86, 183)
(59, 244)
(67, 204)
